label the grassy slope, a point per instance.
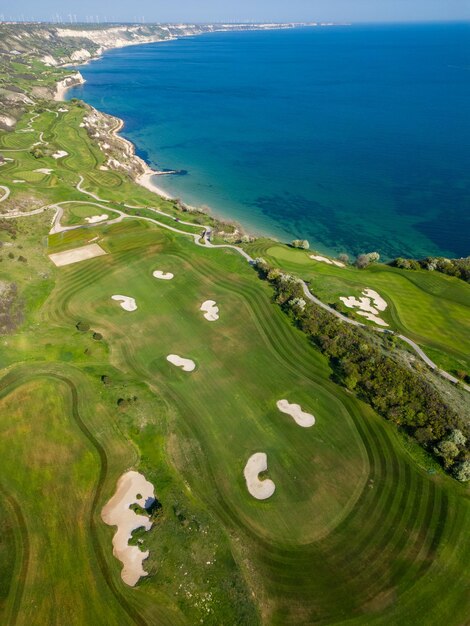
(431, 308)
(356, 530)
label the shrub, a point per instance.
(456, 436)
(462, 471)
(362, 261)
(82, 326)
(300, 243)
(97, 336)
(448, 451)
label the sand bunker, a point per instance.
(96, 218)
(373, 318)
(211, 310)
(59, 154)
(162, 275)
(324, 259)
(127, 303)
(44, 170)
(186, 364)
(295, 410)
(259, 489)
(117, 513)
(77, 254)
(370, 305)
(379, 302)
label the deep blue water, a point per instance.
(356, 138)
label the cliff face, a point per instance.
(60, 45)
(21, 45)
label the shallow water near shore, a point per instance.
(356, 138)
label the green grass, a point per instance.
(75, 213)
(429, 307)
(50, 471)
(357, 531)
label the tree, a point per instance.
(374, 257)
(301, 243)
(462, 471)
(344, 258)
(447, 450)
(456, 436)
(424, 435)
(362, 261)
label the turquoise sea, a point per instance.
(356, 138)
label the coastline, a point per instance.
(67, 83)
(145, 179)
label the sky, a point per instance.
(237, 10)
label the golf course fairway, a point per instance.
(363, 528)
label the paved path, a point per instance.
(203, 240)
(6, 193)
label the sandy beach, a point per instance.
(64, 85)
(146, 180)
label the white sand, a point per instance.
(6, 193)
(379, 302)
(127, 303)
(211, 310)
(186, 364)
(117, 513)
(259, 489)
(19, 180)
(77, 254)
(362, 303)
(146, 180)
(373, 318)
(44, 170)
(370, 305)
(59, 154)
(62, 110)
(324, 259)
(163, 275)
(96, 218)
(321, 259)
(295, 410)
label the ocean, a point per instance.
(355, 138)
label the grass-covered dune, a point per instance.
(362, 528)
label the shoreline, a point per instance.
(62, 86)
(145, 179)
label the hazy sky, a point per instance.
(239, 10)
